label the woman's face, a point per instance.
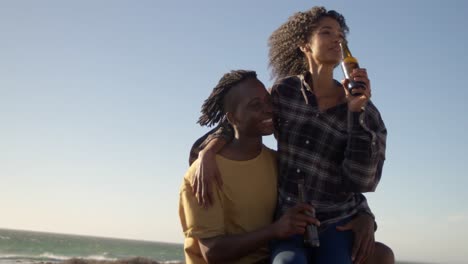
(325, 41)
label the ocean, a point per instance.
(28, 247)
(34, 247)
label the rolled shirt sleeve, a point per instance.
(196, 221)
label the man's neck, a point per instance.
(243, 148)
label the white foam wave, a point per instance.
(45, 256)
(50, 257)
(91, 257)
(101, 257)
(2, 256)
(53, 256)
(4, 238)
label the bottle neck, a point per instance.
(345, 50)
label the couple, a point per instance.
(330, 140)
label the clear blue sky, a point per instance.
(99, 99)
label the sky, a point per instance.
(99, 102)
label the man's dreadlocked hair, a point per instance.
(213, 108)
(285, 56)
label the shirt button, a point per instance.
(307, 141)
(288, 198)
(298, 171)
(317, 115)
(362, 121)
(373, 142)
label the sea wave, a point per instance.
(4, 238)
(137, 260)
(100, 257)
(48, 258)
(25, 258)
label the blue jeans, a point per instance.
(335, 248)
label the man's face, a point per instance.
(253, 113)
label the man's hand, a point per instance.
(294, 221)
(363, 245)
(206, 173)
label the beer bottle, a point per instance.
(311, 238)
(348, 64)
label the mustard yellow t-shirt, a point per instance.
(245, 203)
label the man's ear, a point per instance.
(231, 118)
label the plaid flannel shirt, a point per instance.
(337, 153)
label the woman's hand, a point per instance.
(357, 103)
(364, 241)
(206, 173)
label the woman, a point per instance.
(328, 138)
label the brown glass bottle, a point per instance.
(348, 64)
(311, 238)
